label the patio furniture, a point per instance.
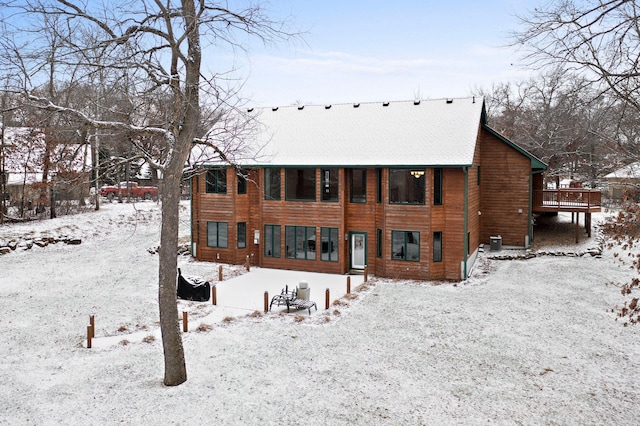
(290, 300)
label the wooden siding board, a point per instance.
(493, 198)
(504, 191)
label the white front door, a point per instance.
(358, 250)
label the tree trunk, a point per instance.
(175, 370)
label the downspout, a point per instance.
(531, 205)
(191, 216)
(466, 222)
(530, 227)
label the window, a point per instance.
(379, 243)
(242, 234)
(329, 185)
(378, 186)
(272, 189)
(300, 184)
(329, 240)
(300, 242)
(407, 186)
(217, 181)
(437, 187)
(358, 185)
(242, 181)
(437, 246)
(217, 234)
(478, 175)
(405, 245)
(272, 240)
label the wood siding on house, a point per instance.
(344, 215)
(496, 185)
(504, 192)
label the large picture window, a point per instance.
(272, 240)
(300, 184)
(217, 181)
(217, 234)
(358, 185)
(300, 242)
(405, 245)
(329, 184)
(407, 186)
(272, 185)
(437, 186)
(329, 239)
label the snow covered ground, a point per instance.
(521, 342)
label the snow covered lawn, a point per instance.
(521, 342)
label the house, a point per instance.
(23, 150)
(407, 189)
(624, 179)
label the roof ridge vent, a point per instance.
(327, 107)
(416, 102)
(356, 105)
(449, 101)
(300, 107)
(385, 104)
(274, 109)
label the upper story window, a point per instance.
(407, 186)
(272, 189)
(329, 184)
(242, 181)
(358, 185)
(300, 184)
(437, 186)
(217, 181)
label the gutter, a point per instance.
(466, 222)
(191, 216)
(530, 227)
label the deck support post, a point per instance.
(577, 226)
(587, 223)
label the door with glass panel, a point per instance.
(358, 250)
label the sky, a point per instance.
(378, 50)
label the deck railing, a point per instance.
(575, 198)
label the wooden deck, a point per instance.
(573, 200)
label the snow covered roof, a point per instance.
(439, 132)
(630, 171)
(24, 151)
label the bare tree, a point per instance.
(158, 47)
(558, 118)
(600, 41)
(597, 39)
